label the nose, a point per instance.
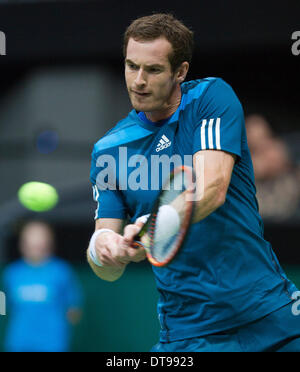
(140, 80)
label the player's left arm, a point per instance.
(213, 170)
(217, 146)
(218, 138)
(213, 175)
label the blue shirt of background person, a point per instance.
(43, 295)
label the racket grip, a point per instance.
(137, 244)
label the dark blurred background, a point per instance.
(62, 88)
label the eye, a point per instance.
(132, 66)
(154, 70)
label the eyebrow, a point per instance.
(129, 61)
(155, 65)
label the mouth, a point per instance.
(140, 94)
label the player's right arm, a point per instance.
(114, 250)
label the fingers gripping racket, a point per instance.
(166, 228)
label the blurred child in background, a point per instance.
(43, 295)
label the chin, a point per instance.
(143, 108)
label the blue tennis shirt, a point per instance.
(226, 274)
(38, 300)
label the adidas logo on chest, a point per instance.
(163, 143)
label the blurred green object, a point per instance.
(120, 316)
(38, 196)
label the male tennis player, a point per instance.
(225, 290)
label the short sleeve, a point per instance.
(110, 202)
(220, 120)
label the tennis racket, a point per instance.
(167, 226)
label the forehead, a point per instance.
(34, 230)
(149, 52)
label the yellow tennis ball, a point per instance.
(38, 196)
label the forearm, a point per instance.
(205, 203)
(107, 273)
(213, 175)
(212, 199)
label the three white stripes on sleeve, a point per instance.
(210, 128)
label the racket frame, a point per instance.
(150, 224)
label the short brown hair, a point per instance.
(163, 25)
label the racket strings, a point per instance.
(163, 244)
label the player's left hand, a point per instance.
(130, 232)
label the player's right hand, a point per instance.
(113, 250)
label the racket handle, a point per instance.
(136, 244)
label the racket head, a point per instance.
(162, 243)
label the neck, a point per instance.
(34, 261)
(170, 107)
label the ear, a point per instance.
(182, 72)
